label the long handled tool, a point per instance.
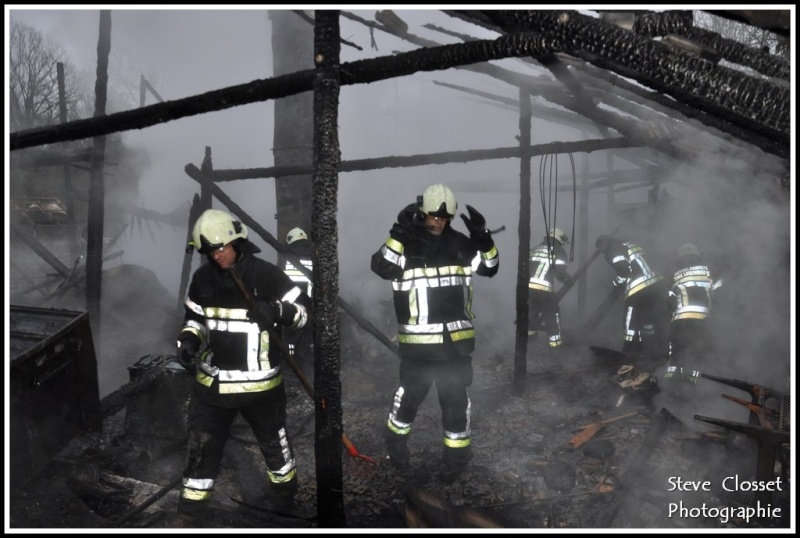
(351, 449)
(588, 431)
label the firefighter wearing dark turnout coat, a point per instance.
(300, 342)
(689, 300)
(431, 267)
(548, 262)
(238, 371)
(646, 316)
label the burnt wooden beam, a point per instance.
(35, 158)
(20, 231)
(667, 103)
(660, 24)
(358, 72)
(778, 21)
(553, 115)
(757, 105)
(733, 134)
(544, 87)
(447, 157)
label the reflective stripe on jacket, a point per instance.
(691, 289)
(432, 289)
(545, 264)
(239, 361)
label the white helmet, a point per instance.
(559, 235)
(215, 229)
(689, 250)
(439, 201)
(295, 234)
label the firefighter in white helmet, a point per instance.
(431, 267)
(548, 263)
(237, 371)
(300, 342)
(646, 316)
(689, 300)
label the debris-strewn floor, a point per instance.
(525, 473)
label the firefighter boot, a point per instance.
(192, 509)
(397, 449)
(454, 461)
(279, 497)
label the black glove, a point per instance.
(476, 225)
(568, 281)
(187, 344)
(407, 220)
(265, 314)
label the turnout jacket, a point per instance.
(548, 262)
(632, 269)
(301, 249)
(690, 295)
(239, 365)
(432, 290)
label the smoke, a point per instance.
(727, 202)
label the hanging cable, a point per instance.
(548, 194)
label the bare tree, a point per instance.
(33, 79)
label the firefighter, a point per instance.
(548, 262)
(300, 342)
(689, 300)
(431, 267)
(237, 371)
(644, 288)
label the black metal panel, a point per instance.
(54, 392)
(162, 410)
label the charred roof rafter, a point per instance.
(756, 105)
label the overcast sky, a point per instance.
(192, 51)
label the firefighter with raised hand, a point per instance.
(644, 290)
(689, 300)
(548, 263)
(238, 371)
(431, 266)
(300, 342)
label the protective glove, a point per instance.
(407, 219)
(187, 347)
(265, 314)
(619, 281)
(476, 225)
(568, 281)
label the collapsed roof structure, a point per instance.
(689, 90)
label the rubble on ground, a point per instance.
(524, 474)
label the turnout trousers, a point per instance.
(209, 429)
(451, 377)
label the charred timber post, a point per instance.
(97, 193)
(523, 250)
(325, 185)
(193, 172)
(186, 268)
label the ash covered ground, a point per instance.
(525, 472)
